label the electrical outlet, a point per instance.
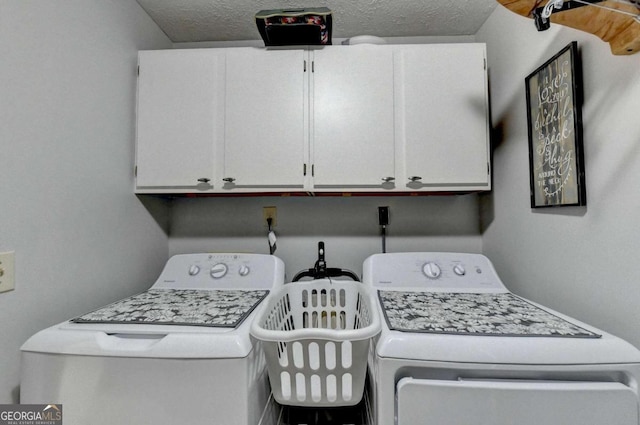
(269, 212)
(7, 274)
(383, 216)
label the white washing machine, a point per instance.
(178, 353)
(457, 347)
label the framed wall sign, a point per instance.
(554, 117)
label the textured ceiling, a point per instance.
(228, 20)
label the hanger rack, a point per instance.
(542, 14)
(616, 22)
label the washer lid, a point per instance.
(489, 314)
(505, 350)
(512, 349)
(224, 308)
(146, 341)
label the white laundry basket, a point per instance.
(316, 338)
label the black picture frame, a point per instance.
(554, 118)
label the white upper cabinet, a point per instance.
(352, 117)
(179, 119)
(442, 111)
(364, 118)
(266, 119)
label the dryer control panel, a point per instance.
(221, 271)
(433, 271)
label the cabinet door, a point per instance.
(353, 121)
(265, 125)
(443, 114)
(179, 110)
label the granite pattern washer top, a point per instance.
(187, 307)
(502, 314)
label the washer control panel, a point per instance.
(221, 271)
(432, 271)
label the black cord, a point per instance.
(384, 239)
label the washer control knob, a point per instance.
(243, 270)
(459, 270)
(219, 270)
(194, 270)
(431, 270)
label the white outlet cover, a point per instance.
(7, 271)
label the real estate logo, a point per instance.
(30, 414)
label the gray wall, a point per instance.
(347, 225)
(67, 209)
(580, 260)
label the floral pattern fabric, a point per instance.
(214, 308)
(501, 314)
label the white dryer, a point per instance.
(178, 353)
(457, 347)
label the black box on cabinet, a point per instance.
(285, 27)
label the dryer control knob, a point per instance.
(194, 270)
(244, 270)
(219, 270)
(459, 270)
(431, 270)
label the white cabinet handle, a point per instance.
(204, 180)
(228, 179)
(415, 178)
(388, 179)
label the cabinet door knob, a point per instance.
(228, 179)
(204, 180)
(415, 178)
(388, 179)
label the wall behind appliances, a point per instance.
(347, 225)
(67, 209)
(579, 260)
